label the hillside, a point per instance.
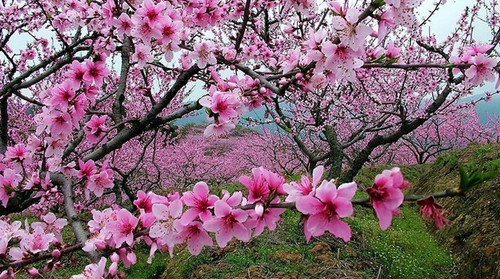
(473, 233)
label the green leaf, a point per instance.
(464, 178)
(209, 112)
(475, 177)
(8, 189)
(392, 60)
(378, 3)
(379, 59)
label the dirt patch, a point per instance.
(286, 256)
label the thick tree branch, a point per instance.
(118, 109)
(69, 208)
(148, 121)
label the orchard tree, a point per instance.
(89, 91)
(346, 118)
(452, 131)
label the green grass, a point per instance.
(261, 255)
(143, 270)
(406, 250)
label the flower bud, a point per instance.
(115, 258)
(113, 268)
(259, 209)
(101, 245)
(32, 271)
(56, 254)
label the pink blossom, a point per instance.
(386, 195)
(77, 111)
(262, 185)
(223, 104)
(59, 123)
(55, 147)
(194, 234)
(430, 209)
(340, 55)
(123, 228)
(95, 72)
(218, 129)
(275, 182)
(142, 55)
(291, 61)
(10, 230)
(163, 230)
(268, 218)
(123, 25)
(392, 51)
(352, 33)
(144, 30)
(474, 50)
(204, 54)
(325, 209)
(100, 219)
(17, 153)
(481, 69)
(385, 21)
(91, 91)
(165, 215)
(33, 272)
(37, 241)
(9, 182)
(170, 31)
(52, 224)
(93, 271)
(200, 202)
(306, 186)
(87, 169)
(151, 12)
(75, 74)
(146, 201)
(97, 183)
(127, 256)
(97, 128)
(340, 61)
(228, 222)
(62, 95)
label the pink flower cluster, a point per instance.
(482, 66)
(162, 222)
(20, 244)
(430, 209)
(98, 179)
(224, 108)
(386, 195)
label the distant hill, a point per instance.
(484, 109)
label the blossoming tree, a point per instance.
(89, 91)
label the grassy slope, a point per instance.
(473, 233)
